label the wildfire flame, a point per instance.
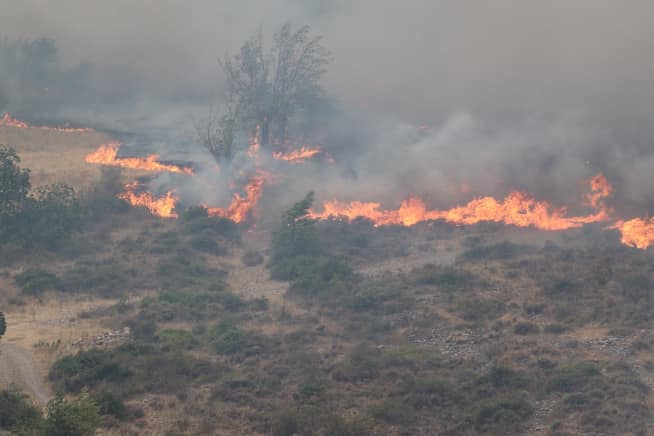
(107, 154)
(636, 232)
(297, 156)
(241, 207)
(8, 121)
(518, 209)
(163, 206)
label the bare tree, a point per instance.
(268, 88)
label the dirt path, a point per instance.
(17, 367)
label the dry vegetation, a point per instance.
(429, 330)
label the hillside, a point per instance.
(198, 325)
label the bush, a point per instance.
(17, 412)
(391, 412)
(77, 417)
(87, 369)
(105, 278)
(102, 201)
(573, 377)
(35, 281)
(479, 309)
(226, 338)
(526, 328)
(206, 244)
(110, 404)
(447, 279)
(502, 250)
(555, 329)
(177, 339)
(503, 413)
(252, 258)
(296, 235)
(195, 220)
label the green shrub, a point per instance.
(77, 417)
(226, 338)
(106, 278)
(196, 220)
(252, 258)
(35, 281)
(502, 413)
(502, 250)
(391, 412)
(446, 279)
(502, 377)
(430, 392)
(87, 369)
(17, 412)
(177, 339)
(315, 276)
(110, 404)
(526, 328)
(555, 329)
(206, 244)
(478, 309)
(573, 377)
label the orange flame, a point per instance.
(107, 154)
(8, 121)
(636, 232)
(163, 207)
(297, 156)
(241, 207)
(516, 209)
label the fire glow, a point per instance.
(297, 156)
(636, 232)
(241, 207)
(107, 154)
(8, 121)
(517, 208)
(163, 207)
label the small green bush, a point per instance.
(391, 412)
(502, 414)
(526, 328)
(35, 281)
(502, 250)
(252, 258)
(17, 412)
(573, 377)
(226, 338)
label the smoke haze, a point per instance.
(517, 94)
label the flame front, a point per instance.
(107, 154)
(241, 207)
(636, 232)
(163, 206)
(517, 209)
(8, 121)
(297, 156)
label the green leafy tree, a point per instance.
(51, 215)
(14, 184)
(267, 87)
(296, 236)
(78, 417)
(18, 414)
(3, 325)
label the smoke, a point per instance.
(517, 95)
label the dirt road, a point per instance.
(17, 367)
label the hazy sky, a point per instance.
(418, 59)
(561, 88)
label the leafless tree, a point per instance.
(268, 88)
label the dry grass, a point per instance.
(58, 157)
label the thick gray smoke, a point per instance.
(516, 94)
